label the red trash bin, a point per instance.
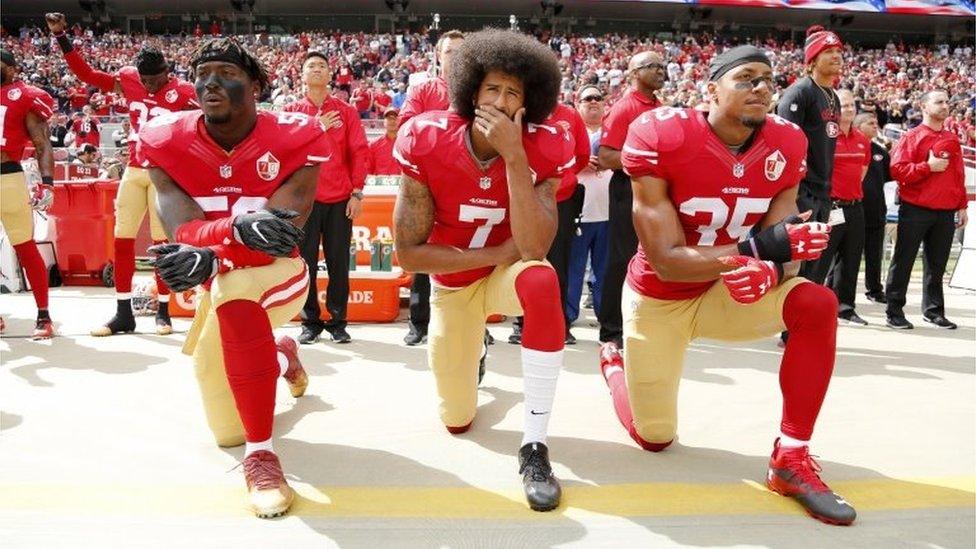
(83, 222)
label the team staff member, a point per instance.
(337, 202)
(812, 104)
(26, 110)
(927, 164)
(149, 90)
(875, 208)
(428, 96)
(381, 160)
(569, 204)
(647, 74)
(842, 258)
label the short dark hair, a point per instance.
(150, 61)
(310, 54)
(227, 49)
(514, 54)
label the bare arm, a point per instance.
(609, 158)
(663, 240)
(40, 136)
(173, 205)
(413, 220)
(297, 194)
(532, 209)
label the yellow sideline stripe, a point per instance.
(628, 500)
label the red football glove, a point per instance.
(751, 279)
(807, 240)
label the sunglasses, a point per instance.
(651, 65)
(591, 99)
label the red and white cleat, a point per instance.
(44, 329)
(295, 374)
(268, 493)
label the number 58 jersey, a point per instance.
(470, 197)
(236, 182)
(718, 196)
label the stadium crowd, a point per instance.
(373, 71)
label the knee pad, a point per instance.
(810, 305)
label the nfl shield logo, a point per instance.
(485, 183)
(739, 169)
(171, 96)
(268, 166)
(225, 171)
(774, 164)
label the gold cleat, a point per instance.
(295, 374)
(268, 493)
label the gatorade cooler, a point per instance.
(83, 222)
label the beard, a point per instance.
(752, 122)
(217, 118)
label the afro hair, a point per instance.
(514, 54)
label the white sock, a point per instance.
(251, 447)
(122, 296)
(790, 442)
(540, 370)
(163, 298)
(282, 362)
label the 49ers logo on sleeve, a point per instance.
(774, 164)
(13, 94)
(833, 130)
(172, 96)
(268, 166)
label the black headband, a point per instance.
(728, 60)
(149, 67)
(8, 58)
(227, 52)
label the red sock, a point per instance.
(161, 287)
(125, 264)
(30, 259)
(810, 315)
(538, 292)
(617, 382)
(251, 361)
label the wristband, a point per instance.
(64, 42)
(237, 256)
(47, 180)
(201, 232)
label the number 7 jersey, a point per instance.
(471, 197)
(718, 196)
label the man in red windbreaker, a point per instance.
(337, 200)
(381, 161)
(927, 164)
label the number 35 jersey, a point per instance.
(471, 198)
(718, 196)
(236, 182)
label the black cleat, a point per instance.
(164, 326)
(516, 337)
(481, 363)
(122, 323)
(852, 318)
(541, 487)
(309, 335)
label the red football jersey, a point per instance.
(237, 182)
(430, 95)
(176, 95)
(16, 100)
(718, 196)
(86, 131)
(471, 198)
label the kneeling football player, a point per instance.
(477, 210)
(234, 185)
(701, 181)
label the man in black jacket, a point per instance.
(875, 209)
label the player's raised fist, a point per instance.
(56, 22)
(269, 231)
